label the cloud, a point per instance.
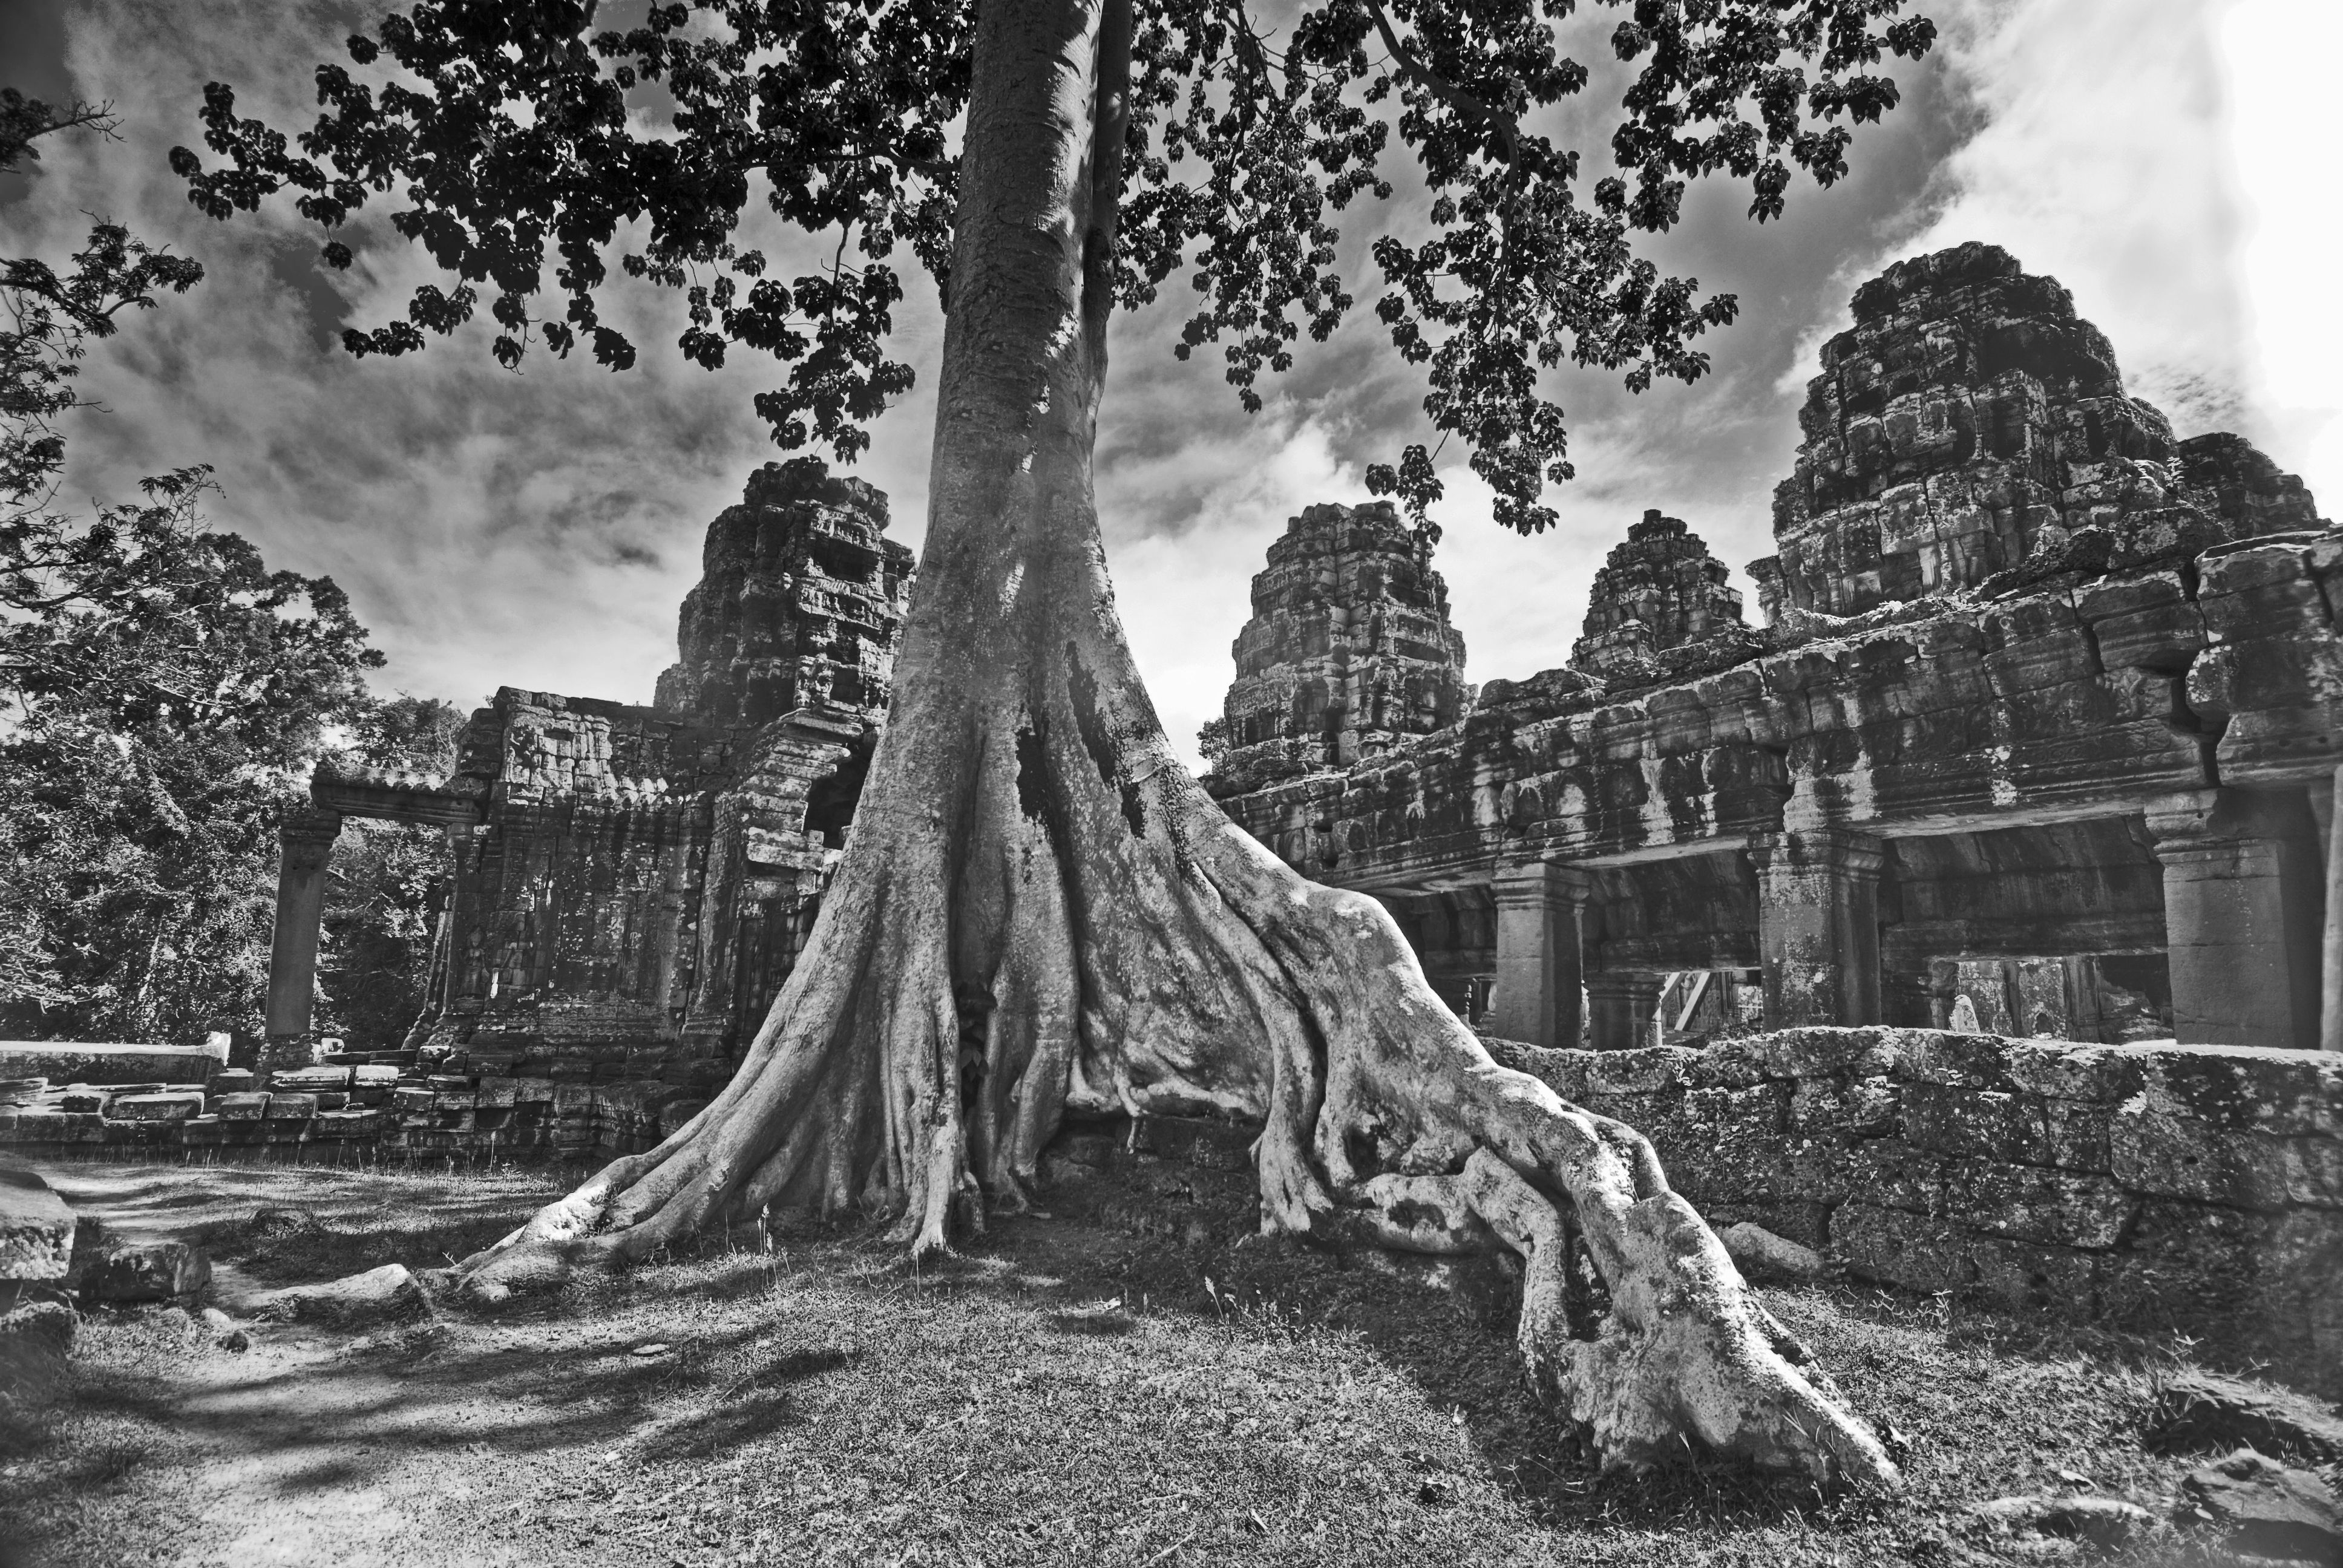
(540, 529)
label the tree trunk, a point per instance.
(1039, 908)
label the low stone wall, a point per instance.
(62, 1062)
(347, 1113)
(2191, 1188)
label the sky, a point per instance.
(2169, 160)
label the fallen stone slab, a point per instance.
(20, 1091)
(2200, 1411)
(171, 1105)
(241, 1107)
(1757, 1249)
(84, 1099)
(387, 1294)
(36, 1338)
(36, 1229)
(2105, 1522)
(232, 1080)
(126, 1271)
(113, 1062)
(2267, 1509)
(285, 1107)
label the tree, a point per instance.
(161, 689)
(163, 692)
(1037, 906)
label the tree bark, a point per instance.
(1039, 908)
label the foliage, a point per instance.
(384, 886)
(49, 321)
(162, 692)
(505, 130)
(1212, 739)
(165, 690)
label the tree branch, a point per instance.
(1499, 124)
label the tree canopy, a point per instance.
(503, 136)
(162, 692)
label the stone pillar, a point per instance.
(1624, 1011)
(304, 842)
(2241, 891)
(1539, 910)
(2330, 987)
(1818, 925)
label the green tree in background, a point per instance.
(163, 694)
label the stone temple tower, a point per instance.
(1349, 647)
(800, 603)
(1970, 423)
(1661, 589)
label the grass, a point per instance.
(1066, 1394)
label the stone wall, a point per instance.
(2156, 1188)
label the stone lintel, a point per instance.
(434, 808)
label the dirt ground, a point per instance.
(1068, 1392)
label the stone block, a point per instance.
(2314, 1171)
(1957, 1060)
(412, 1101)
(171, 1105)
(1863, 1108)
(1897, 1248)
(2247, 1088)
(21, 1091)
(2101, 1073)
(240, 1107)
(232, 1081)
(533, 1091)
(387, 1294)
(464, 1098)
(125, 1271)
(1976, 1124)
(374, 1076)
(1727, 1064)
(311, 1080)
(2077, 1134)
(36, 1229)
(83, 1100)
(1645, 1071)
(1816, 1052)
(494, 1094)
(2023, 1276)
(2167, 1156)
(349, 1123)
(2051, 1207)
(283, 1107)
(151, 1067)
(203, 1132)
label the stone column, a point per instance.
(2241, 885)
(1624, 1011)
(2330, 986)
(304, 842)
(1539, 910)
(1818, 925)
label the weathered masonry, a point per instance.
(2041, 736)
(628, 885)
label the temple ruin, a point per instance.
(1962, 921)
(2040, 737)
(628, 886)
